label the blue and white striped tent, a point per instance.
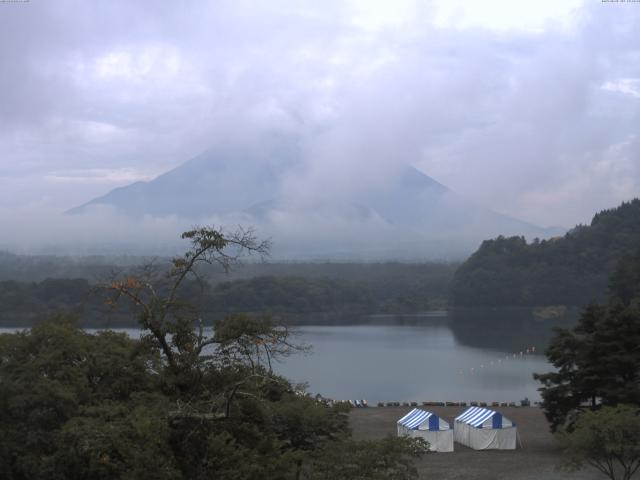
(427, 425)
(484, 429)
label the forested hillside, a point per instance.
(291, 290)
(572, 270)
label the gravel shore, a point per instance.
(536, 460)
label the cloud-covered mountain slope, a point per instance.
(409, 214)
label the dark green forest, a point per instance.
(597, 360)
(287, 290)
(178, 403)
(591, 396)
(505, 272)
(573, 270)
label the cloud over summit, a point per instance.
(534, 115)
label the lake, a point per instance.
(409, 362)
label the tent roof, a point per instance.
(415, 418)
(475, 416)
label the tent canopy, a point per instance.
(418, 419)
(428, 426)
(479, 417)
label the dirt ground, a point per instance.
(536, 460)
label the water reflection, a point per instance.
(469, 355)
(508, 328)
(410, 363)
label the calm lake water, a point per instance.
(408, 363)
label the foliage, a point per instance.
(22, 304)
(56, 380)
(625, 282)
(180, 403)
(297, 292)
(607, 439)
(598, 361)
(290, 295)
(570, 270)
(388, 459)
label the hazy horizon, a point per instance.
(528, 109)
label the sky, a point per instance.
(531, 108)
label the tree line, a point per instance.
(180, 403)
(572, 270)
(592, 398)
(24, 303)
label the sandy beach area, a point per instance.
(536, 460)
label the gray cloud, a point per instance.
(540, 125)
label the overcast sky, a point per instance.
(531, 108)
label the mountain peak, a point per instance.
(246, 184)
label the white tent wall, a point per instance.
(461, 433)
(485, 438)
(439, 436)
(439, 440)
(486, 435)
(443, 424)
(493, 439)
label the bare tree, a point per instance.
(241, 350)
(154, 294)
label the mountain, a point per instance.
(572, 270)
(219, 181)
(410, 216)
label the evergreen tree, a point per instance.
(572, 270)
(598, 361)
